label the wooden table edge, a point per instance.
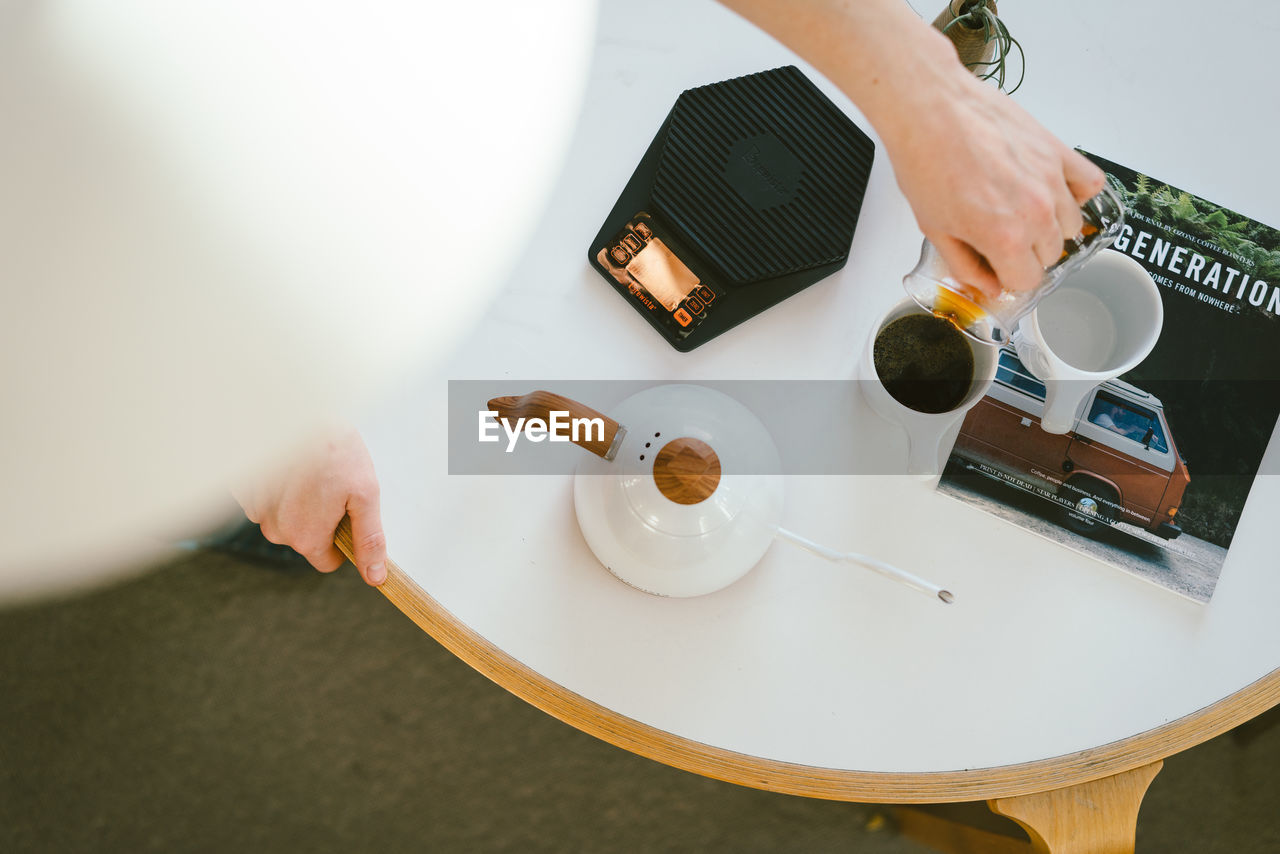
(806, 780)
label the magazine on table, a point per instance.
(1154, 474)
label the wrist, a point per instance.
(878, 52)
(905, 79)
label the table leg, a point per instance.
(959, 829)
(1098, 817)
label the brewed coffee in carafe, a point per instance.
(991, 319)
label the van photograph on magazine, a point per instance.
(1154, 472)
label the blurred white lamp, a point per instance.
(221, 221)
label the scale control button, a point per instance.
(706, 294)
(695, 305)
(682, 317)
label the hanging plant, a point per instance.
(982, 40)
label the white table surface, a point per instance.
(1045, 652)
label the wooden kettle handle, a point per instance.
(540, 404)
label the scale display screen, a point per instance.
(651, 271)
(662, 274)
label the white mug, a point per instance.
(1100, 322)
(926, 432)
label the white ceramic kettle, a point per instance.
(681, 501)
(686, 497)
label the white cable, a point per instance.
(887, 570)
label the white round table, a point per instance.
(1052, 669)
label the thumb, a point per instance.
(1084, 178)
(368, 543)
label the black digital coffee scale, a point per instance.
(749, 193)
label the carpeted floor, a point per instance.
(222, 704)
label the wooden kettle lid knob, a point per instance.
(687, 471)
